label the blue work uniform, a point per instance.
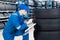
(15, 27)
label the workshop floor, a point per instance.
(20, 37)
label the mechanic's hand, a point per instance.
(30, 21)
(30, 26)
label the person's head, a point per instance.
(23, 9)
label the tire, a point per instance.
(47, 13)
(47, 24)
(47, 35)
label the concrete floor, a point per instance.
(20, 37)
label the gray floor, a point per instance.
(20, 37)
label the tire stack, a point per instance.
(48, 24)
(10, 7)
(6, 9)
(13, 1)
(2, 7)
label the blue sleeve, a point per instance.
(24, 26)
(16, 23)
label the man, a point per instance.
(16, 25)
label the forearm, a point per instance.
(24, 26)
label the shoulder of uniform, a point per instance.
(14, 14)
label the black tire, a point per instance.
(47, 35)
(47, 13)
(47, 24)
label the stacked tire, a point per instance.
(10, 1)
(10, 7)
(48, 24)
(4, 7)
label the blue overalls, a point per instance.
(15, 21)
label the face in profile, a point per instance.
(23, 12)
